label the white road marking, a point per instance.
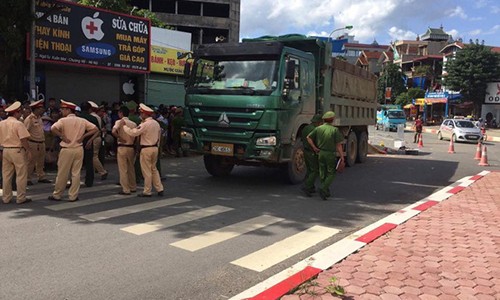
(279, 251)
(213, 237)
(163, 223)
(80, 203)
(112, 213)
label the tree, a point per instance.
(470, 71)
(123, 6)
(407, 97)
(391, 77)
(15, 22)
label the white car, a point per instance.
(459, 130)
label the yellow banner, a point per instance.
(164, 60)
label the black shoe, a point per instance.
(44, 181)
(27, 200)
(53, 198)
(123, 193)
(143, 195)
(104, 176)
(323, 195)
(133, 191)
(160, 193)
(30, 182)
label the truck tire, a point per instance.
(296, 168)
(216, 166)
(351, 149)
(362, 147)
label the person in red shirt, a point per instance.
(418, 129)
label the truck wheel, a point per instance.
(362, 147)
(351, 149)
(217, 166)
(296, 167)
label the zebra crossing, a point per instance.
(258, 261)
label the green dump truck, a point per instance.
(246, 103)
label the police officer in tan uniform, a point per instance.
(149, 133)
(72, 130)
(125, 154)
(14, 139)
(97, 143)
(36, 141)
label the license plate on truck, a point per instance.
(222, 149)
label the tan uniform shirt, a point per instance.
(73, 128)
(123, 138)
(149, 130)
(11, 132)
(34, 125)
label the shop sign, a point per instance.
(73, 34)
(164, 60)
(436, 95)
(492, 93)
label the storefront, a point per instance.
(165, 83)
(433, 108)
(490, 111)
(84, 53)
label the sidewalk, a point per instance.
(448, 251)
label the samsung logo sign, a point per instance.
(96, 50)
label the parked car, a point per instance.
(459, 130)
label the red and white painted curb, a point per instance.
(281, 283)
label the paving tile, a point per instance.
(481, 289)
(389, 297)
(430, 291)
(409, 297)
(429, 297)
(393, 290)
(355, 290)
(369, 297)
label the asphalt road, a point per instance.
(207, 237)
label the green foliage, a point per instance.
(114, 5)
(15, 22)
(424, 70)
(123, 6)
(470, 71)
(390, 77)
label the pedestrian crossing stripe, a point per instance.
(220, 235)
(112, 213)
(269, 256)
(70, 205)
(140, 229)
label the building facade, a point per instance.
(208, 21)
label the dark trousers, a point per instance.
(89, 166)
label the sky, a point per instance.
(380, 20)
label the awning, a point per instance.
(430, 101)
(408, 106)
(435, 100)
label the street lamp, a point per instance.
(133, 9)
(348, 27)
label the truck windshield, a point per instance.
(235, 77)
(397, 114)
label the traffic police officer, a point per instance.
(326, 141)
(149, 132)
(36, 141)
(310, 157)
(14, 139)
(97, 142)
(125, 155)
(72, 130)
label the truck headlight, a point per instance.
(186, 136)
(266, 141)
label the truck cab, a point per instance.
(245, 102)
(389, 117)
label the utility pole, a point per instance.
(32, 91)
